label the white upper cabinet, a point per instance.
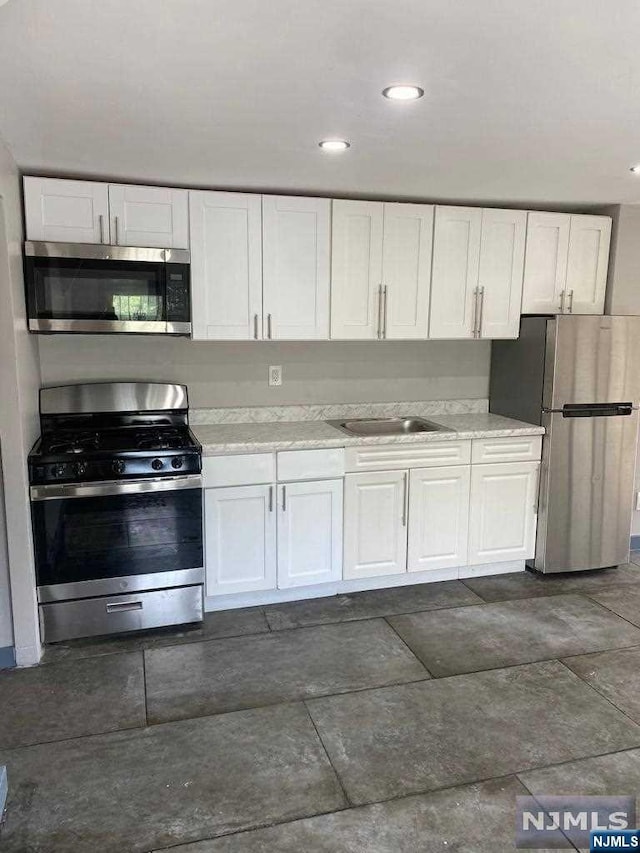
(309, 533)
(149, 216)
(454, 282)
(356, 269)
(296, 267)
(226, 265)
(61, 211)
(502, 245)
(566, 263)
(587, 264)
(406, 270)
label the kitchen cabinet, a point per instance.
(566, 263)
(240, 539)
(503, 512)
(226, 265)
(478, 262)
(296, 267)
(380, 270)
(59, 210)
(375, 525)
(309, 533)
(148, 216)
(438, 517)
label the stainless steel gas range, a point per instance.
(116, 503)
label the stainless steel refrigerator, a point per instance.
(578, 376)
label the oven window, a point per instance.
(70, 289)
(79, 539)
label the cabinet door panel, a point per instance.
(438, 518)
(240, 536)
(545, 267)
(61, 211)
(356, 269)
(501, 270)
(296, 259)
(149, 216)
(226, 265)
(375, 532)
(406, 269)
(502, 519)
(309, 533)
(588, 263)
(456, 258)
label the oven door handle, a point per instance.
(56, 491)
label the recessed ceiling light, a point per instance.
(635, 169)
(403, 93)
(334, 144)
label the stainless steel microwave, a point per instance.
(80, 287)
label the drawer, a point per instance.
(310, 464)
(91, 617)
(245, 469)
(517, 448)
(391, 457)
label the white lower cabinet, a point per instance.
(438, 517)
(240, 535)
(375, 530)
(309, 533)
(503, 512)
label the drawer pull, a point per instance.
(124, 606)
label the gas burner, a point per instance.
(75, 443)
(160, 439)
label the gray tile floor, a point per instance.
(399, 720)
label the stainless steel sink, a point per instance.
(387, 426)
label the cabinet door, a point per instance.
(588, 263)
(545, 266)
(296, 267)
(240, 539)
(60, 211)
(438, 517)
(149, 216)
(502, 519)
(375, 524)
(501, 269)
(456, 257)
(406, 269)
(226, 265)
(309, 533)
(356, 269)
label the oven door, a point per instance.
(73, 288)
(103, 538)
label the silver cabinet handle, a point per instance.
(269, 330)
(101, 225)
(379, 311)
(481, 311)
(562, 302)
(270, 498)
(255, 327)
(405, 492)
(116, 239)
(571, 302)
(475, 313)
(384, 313)
(284, 499)
(123, 606)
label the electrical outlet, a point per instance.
(275, 375)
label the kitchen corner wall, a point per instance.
(235, 374)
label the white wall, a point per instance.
(19, 383)
(232, 374)
(6, 622)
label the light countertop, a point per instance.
(226, 438)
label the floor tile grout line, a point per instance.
(599, 692)
(535, 797)
(590, 596)
(326, 752)
(144, 688)
(411, 651)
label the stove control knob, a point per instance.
(177, 462)
(118, 466)
(157, 464)
(59, 470)
(81, 469)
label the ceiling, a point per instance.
(525, 102)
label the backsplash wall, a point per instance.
(235, 374)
